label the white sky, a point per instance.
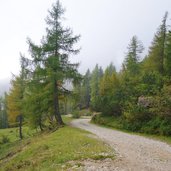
(106, 27)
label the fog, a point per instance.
(105, 26)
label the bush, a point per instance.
(4, 139)
(76, 114)
(109, 121)
(157, 125)
(165, 128)
(85, 112)
(88, 114)
(98, 119)
(136, 113)
(135, 116)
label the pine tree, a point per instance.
(109, 92)
(167, 62)
(78, 97)
(135, 48)
(86, 87)
(156, 55)
(96, 76)
(111, 68)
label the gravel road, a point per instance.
(134, 153)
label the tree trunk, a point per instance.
(65, 105)
(56, 105)
(20, 126)
(40, 124)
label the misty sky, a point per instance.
(106, 27)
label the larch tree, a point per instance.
(15, 103)
(56, 46)
(35, 99)
(15, 98)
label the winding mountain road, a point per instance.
(133, 152)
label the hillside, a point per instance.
(65, 148)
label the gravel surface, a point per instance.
(133, 152)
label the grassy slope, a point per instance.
(114, 123)
(50, 151)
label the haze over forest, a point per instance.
(105, 30)
(4, 85)
(123, 82)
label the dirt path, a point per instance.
(134, 153)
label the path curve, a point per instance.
(134, 153)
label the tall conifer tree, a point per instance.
(54, 53)
(135, 48)
(156, 55)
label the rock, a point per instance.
(145, 102)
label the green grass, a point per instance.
(115, 123)
(14, 141)
(67, 119)
(51, 151)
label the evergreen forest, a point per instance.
(136, 98)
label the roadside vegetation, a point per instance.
(81, 113)
(117, 123)
(138, 97)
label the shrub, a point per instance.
(85, 112)
(157, 125)
(165, 128)
(76, 114)
(4, 139)
(135, 117)
(98, 119)
(136, 113)
(88, 113)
